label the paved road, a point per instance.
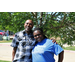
(69, 56)
(6, 53)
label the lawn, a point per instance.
(4, 61)
(5, 41)
(69, 48)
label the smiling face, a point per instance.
(38, 36)
(28, 25)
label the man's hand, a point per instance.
(53, 40)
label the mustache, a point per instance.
(38, 39)
(27, 27)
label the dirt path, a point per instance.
(6, 53)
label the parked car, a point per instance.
(2, 32)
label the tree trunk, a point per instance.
(41, 14)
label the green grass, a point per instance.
(4, 61)
(69, 48)
(5, 41)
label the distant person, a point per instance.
(7, 33)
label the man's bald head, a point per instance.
(29, 20)
(28, 25)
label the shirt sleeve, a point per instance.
(58, 49)
(15, 41)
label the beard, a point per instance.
(28, 29)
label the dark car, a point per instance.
(2, 32)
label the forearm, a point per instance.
(13, 53)
(61, 56)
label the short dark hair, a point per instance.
(40, 29)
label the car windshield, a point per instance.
(1, 31)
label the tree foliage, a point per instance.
(54, 24)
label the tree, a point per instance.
(5, 20)
(58, 24)
(14, 21)
(54, 24)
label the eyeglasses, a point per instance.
(29, 23)
(37, 35)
